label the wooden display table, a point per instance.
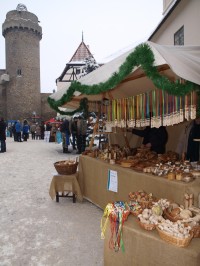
(142, 248)
(93, 178)
(64, 186)
(146, 248)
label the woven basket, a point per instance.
(196, 231)
(65, 168)
(148, 227)
(167, 215)
(179, 242)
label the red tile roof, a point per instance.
(81, 53)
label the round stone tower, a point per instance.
(22, 41)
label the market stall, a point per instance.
(151, 85)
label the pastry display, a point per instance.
(144, 160)
(175, 229)
(148, 217)
(144, 199)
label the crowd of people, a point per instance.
(69, 132)
(77, 129)
(74, 131)
(21, 131)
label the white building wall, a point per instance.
(186, 14)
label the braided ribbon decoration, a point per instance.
(118, 213)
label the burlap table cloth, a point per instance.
(146, 248)
(65, 183)
(93, 178)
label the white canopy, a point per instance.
(171, 61)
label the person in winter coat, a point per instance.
(18, 129)
(188, 146)
(193, 142)
(38, 131)
(33, 130)
(74, 132)
(25, 130)
(3, 134)
(81, 134)
(42, 129)
(65, 135)
(47, 132)
(14, 131)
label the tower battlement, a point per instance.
(21, 21)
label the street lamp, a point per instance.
(34, 116)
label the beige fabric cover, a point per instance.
(65, 183)
(93, 177)
(184, 62)
(146, 248)
(142, 247)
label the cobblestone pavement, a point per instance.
(34, 230)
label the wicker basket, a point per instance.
(196, 231)
(167, 215)
(148, 227)
(66, 167)
(179, 242)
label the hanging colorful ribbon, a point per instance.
(117, 213)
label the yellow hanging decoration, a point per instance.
(106, 214)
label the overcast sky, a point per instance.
(108, 26)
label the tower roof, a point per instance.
(77, 61)
(81, 53)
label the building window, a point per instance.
(179, 37)
(19, 72)
(78, 71)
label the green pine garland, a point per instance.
(141, 56)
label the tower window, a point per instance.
(19, 72)
(179, 37)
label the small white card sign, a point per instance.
(112, 181)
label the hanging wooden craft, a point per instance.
(155, 108)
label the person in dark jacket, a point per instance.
(65, 130)
(47, 132)
(3, 134)
(14, 131)
(42, 129)
(81, 134)
(153, 138)
(193, 142)
(74, 132)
